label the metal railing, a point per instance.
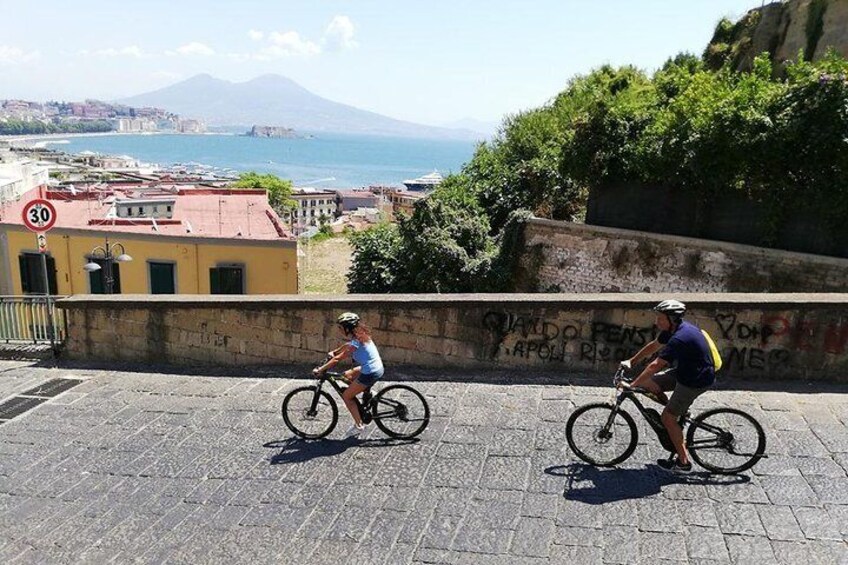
(31, 319)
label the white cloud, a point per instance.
(287, 44)
(15, 55)
(339, 34)
(256, 35)
(193, 48)
(129, 51)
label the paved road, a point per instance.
(151, 468)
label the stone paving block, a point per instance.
(533, 537)
(830, 490)
(779, 523)
(741, 519)
(790, 491)
(658, 515)
(819, 523)
(820, 466)
(540, 505)
(476, 539)
(505, 473)
(440, 531)
(697, 513)
(661, 545)
(579, 514)
(746, 549)
(570, 535)
(577, 554)
(706, 543)
(513, 442)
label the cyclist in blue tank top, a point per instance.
(369, 367)
(681, 346)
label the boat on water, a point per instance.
(427, 182)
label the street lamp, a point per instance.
(109, 255)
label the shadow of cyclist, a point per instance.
(296, 450)
(597, 485)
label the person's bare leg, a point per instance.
(669, 420)
(349, 400)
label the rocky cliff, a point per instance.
(782, 29)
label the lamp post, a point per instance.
(110, 255)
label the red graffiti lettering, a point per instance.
(836, 338)
(804, 332)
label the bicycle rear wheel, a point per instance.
(308, 420)
(400, 411)
(725, 440)
(599, 436)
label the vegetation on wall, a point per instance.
(778, 141)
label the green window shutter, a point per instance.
(26, 281)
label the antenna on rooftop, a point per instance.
(155, 226)
(188, 227)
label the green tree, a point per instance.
(279, 190)
(376, 260)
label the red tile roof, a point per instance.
(198, 212)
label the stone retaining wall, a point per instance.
(568, 257)
(763, 336)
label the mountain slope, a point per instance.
(275, 100)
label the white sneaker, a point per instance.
(355, 430)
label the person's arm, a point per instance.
(339, 354)
(643, 353)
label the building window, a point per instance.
(129, 211)
(97, 279)
(32, 273)
(162, 279)
(226, 280)
(169, 209)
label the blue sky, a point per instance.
(431, 61)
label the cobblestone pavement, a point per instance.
(151, 468)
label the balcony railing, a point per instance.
(31, 319)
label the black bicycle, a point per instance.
(399, 410)
(722, 440)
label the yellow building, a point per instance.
(185, 241)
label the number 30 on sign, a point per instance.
(39, 215)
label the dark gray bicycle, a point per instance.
(399, 411)
(721, 440)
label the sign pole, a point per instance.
(41, 241)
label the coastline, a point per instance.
(58, 136)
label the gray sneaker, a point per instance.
(674, 466)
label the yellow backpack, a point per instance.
(713, 351)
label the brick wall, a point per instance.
(567, 257)
(760, 335)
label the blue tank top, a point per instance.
(366, 354)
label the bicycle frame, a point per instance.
(339, 384)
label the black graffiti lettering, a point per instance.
(757, 359)
(587, 351)
(570, 332)
(745, 331)
(518, 349)
(550, 331)
(495, 321)
(726, 322)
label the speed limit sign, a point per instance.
(39, 215)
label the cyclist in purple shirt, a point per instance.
(369, 367)
(681, 346)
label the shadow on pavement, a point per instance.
(296, 450)
(597, 485)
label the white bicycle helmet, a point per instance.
(671, 308)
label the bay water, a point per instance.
(322, 161)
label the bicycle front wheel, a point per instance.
(310, 413)
(725, 440)
(601, 435)
(400, 411)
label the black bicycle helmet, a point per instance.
(348, 321)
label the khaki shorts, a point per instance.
(682, 397)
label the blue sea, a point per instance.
(325, 160)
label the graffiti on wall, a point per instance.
(532, 337)
(775, 343)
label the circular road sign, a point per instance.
(39, 215)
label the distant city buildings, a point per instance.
(123, 119)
